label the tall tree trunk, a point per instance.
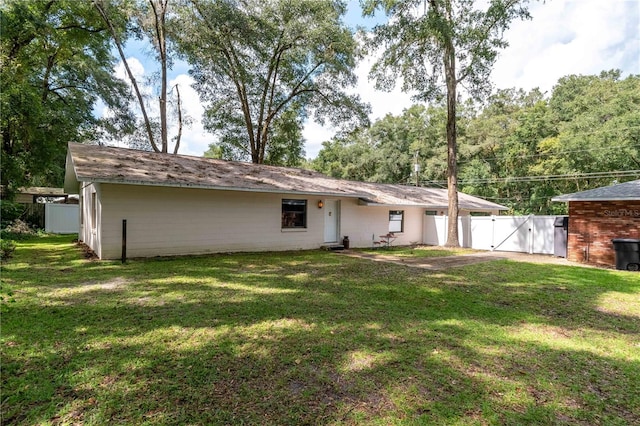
(452, 149)
(159, 13)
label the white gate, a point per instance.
(527, 234)
(61, 218)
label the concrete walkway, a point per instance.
(446, 262)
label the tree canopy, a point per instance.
(263, 67)
(56, 64)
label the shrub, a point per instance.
(17, 230)
(7, 247)
(10, 211)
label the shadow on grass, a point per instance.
(313, 338)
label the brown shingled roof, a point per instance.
(93, 163)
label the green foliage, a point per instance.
(386, 151)
(10, 211)
(519, 150)
(7, 247)
(266, 67)
(150, 21)
(56, 64)
(422, 37)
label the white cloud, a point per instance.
(314, 134)
(570, 37)
(382, 103)
(138, 71)
(195, 140)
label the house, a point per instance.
(177, 204)
(599, 215)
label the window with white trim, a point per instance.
(396, 220)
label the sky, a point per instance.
(563, 37)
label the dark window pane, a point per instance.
(294, 213)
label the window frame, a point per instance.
(94, 210)
(391, 220)
(294, 213)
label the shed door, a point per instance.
(331, 220)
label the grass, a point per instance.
(313, 338)
(418, 251)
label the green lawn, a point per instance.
(313, 338)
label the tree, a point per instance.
(56, 64)
(598, 129)
(501, 146)
(385, 152)
(436, 45)
(257, 62)
(146, 18)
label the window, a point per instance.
(294, 214)
(396, 220)
(94, 210)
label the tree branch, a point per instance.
(175, 149)
(231, 57)
(80, 27)
(134, 83)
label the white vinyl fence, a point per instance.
(526, 234)
(61, 218)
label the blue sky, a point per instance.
(564, 37)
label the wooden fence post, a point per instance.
(124, 240)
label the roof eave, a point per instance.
(568, 199)
(369, 203)
(219, 188)
(71, 182)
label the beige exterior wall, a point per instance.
(365, 224)
(164, 221)
(172, 221)
(90, 216)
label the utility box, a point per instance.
(560, 236)
(627, 253)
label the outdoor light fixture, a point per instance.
(320, 204)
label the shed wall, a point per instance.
(90, 223)
(592, 226)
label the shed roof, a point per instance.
(43, 191)
(622, 191)
(93, 163)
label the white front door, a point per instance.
(331, 220)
